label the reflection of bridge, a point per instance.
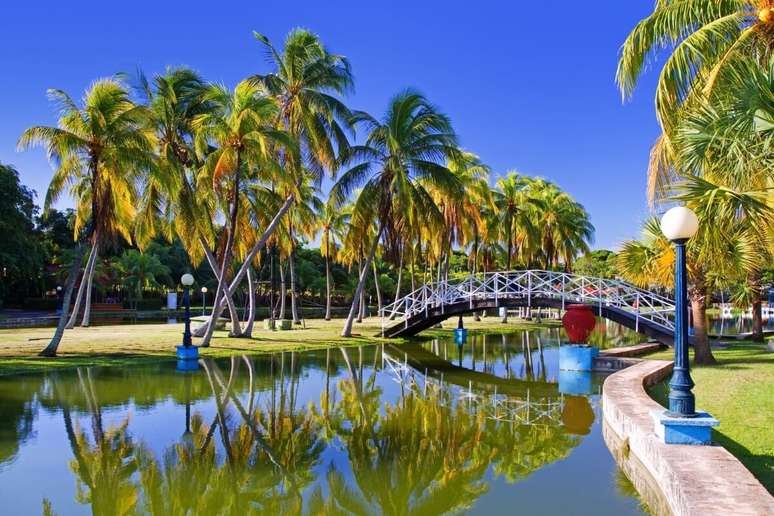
(641, 310)
(503, 400)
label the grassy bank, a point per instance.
(119, 345)
(739, 391)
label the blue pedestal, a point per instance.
(187, 353)
(575, 383)
(577, 357)
(460, 335)
(684, 430)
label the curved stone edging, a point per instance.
(698, 480)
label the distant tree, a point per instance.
(141, 271)
(599, 264)
(21, 256)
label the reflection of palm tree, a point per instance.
(104, 465)
(422, 455)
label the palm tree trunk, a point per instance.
(397, 288)
(754, 280)
(79, 296)
(218, 307)
(53, 345)
(283, 291)
(361, 310)
(702, 353)
(248, 331)
(87, 308)
(327, 287)
(378, 290)
(347, 331)
(293, 299)
(234, 315)
(230, 236)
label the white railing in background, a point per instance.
(643, 305)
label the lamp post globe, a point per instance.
(679, 224)
(187, 279)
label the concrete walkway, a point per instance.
(693, 480)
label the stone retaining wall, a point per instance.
(693, 480)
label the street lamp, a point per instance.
(679, 224)
(187, 280)
(204, 299)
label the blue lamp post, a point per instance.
(679, 224)
(682, 424)
(187, 354)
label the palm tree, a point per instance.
(332, 221)
(722, 252)
(562, 223)
(704, 38)
(238, 125)
(412, 142)
(143, 271)
(98, 151)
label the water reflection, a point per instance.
(349, 430)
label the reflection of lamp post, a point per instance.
(204, 299)
(678, 225)
(188, 435)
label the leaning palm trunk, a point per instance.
(218, 307)
(248, 332)
(378, 290)
(702, 353)
(50, 350)
(397, 287)
(230, 237)
(213, 262)
(87, 308)
(235, 326)
(347, 331)
(293, 299)
(81, 288)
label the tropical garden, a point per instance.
(715, 106)
(172, 173)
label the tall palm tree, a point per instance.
(562, 224)
(703, 38)
(239, 126)
(412, 142)
(98, 150)
(333, 221)
(722, 252)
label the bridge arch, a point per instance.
(641, 310)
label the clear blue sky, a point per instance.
(529, 85)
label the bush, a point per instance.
(41, 303)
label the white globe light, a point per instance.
(679, 223)
(204, 290)
(187, 280)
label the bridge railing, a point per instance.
(641, 304)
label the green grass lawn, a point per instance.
(135, 343)
(739, 391)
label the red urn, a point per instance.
(579, 322)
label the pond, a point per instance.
(422, 428)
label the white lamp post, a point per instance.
(204, 299)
